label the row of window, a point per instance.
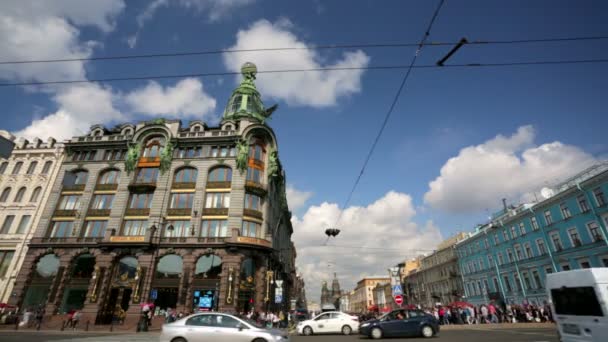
(144, 201)
(20, 194)
(519, 253)
(30, 169)
(21, 228)
(153, 151)
(520, 229)
(174, 228)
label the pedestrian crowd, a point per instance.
(491, 313)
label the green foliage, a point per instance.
(159, 121)
(273, 163)
(166, 155)
(242, 154)
(132, 157)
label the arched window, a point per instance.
(47, 266)
(19, 195)
(81, 177)
(169, 266)
(5, 193)
(247, 269)
(220, 174)
(208, 266)
(109, 177)
(186, 175)
(127, 268)
(17, 167)
(153, 146)
(3, 167)
(47, 167)
(196, 128)
(236, 103)
(257, 152)
(32, 167)
(83, 266)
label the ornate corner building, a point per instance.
(189, 218)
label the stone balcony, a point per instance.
(256, 188)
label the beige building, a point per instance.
(25, 179)
(363, 295)
(437, 280)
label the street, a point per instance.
(460, 334)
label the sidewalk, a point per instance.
(498, 326)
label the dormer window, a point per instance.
(152, 149)
(196, 128)
(128, 132)
(236, 103)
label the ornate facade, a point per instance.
(191, 218)
(24, 184)
(331, 297)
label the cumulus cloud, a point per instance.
(502, 167)
(383, 234)
(186, 98)
(315, 89)
(214, 10)
(31, 30)
(296, 198)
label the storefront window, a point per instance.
(127, 268)
(208, 266)
(169, 266)
(83, 266)
(47, 266)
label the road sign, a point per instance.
(398, 299)
(278, 298)
(154, 294)
(397, 290)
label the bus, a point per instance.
(579, 300)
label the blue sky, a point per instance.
(508, 130)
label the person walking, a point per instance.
(484, 314)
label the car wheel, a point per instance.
(307, 331)
(376, 333)
(427, 331)
(259, 340)
(178, 339)
(346, 330)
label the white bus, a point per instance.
(579, 303)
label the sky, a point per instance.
(458, 141)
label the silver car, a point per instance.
(215, 326)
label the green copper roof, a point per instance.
(245, 101)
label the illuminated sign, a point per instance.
(141, 238)
(253, 241)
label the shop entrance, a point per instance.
(204, 300)
(117, 304)
(165, 297)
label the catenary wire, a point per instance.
(390, 110)
(385, 67)
(310, 47)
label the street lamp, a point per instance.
(170, 228)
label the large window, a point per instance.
(222, 151)
(565, 211)
(214, 228)
(17, 167)
(62, 229)
(534, 223)
(542, 250)
(81, 177)
(146, 175)
(109, 177)
(140, 201)
(3, 167)
(217, 200)
(522, 228)
(220, 174)
(600, 200)
(5, 193)
(182, 200)
(513, 232)
(576, 301)
(47, 167)
(186, 175)
(557, 243)
(582, 203)
(500, 258)
(528, 250)
(180, 228)
(505, 235)
(152, 149)
(95, 228)
(35, 194)
(23, 224)
(20, 194)
(594, 231)
(188, 152)
(254, 175)
(235, 106)
(47, 266)
(251, 229)
(69, 202)
(548, 218)
(32, 168)
(253, 202)
(518, 253)
(574, 237)
(84, 265)
(134, 227)
(208, 266)
(5, 261)
(257, 152)
(537, 280)
(170, 266)
(102, 202)
(6, 225)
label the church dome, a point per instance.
(245, 101)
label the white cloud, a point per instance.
(503, 167)
(296, 198)
(33, 30)
(387, 227)
(186, 98)
(315, 89)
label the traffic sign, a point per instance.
(397, 290)
(398, 299)
(278, 298)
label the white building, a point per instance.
(25, 180)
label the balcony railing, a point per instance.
(179, 211)
(219, 185)
(184, 185)
(215, 211)
(139, 187)
(253, 213)
(106, 187)
(137, 212)
(255, 187)
(73, 187)
(98, 212)
(64, 213)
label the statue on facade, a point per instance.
(242, 155)
(273, 163)
(132, 157)
(166, 155)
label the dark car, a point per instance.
(401, 323)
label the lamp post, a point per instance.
(170, 228)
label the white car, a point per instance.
(330, 323)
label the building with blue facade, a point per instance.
(508, 258)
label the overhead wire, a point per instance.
(296, 48)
